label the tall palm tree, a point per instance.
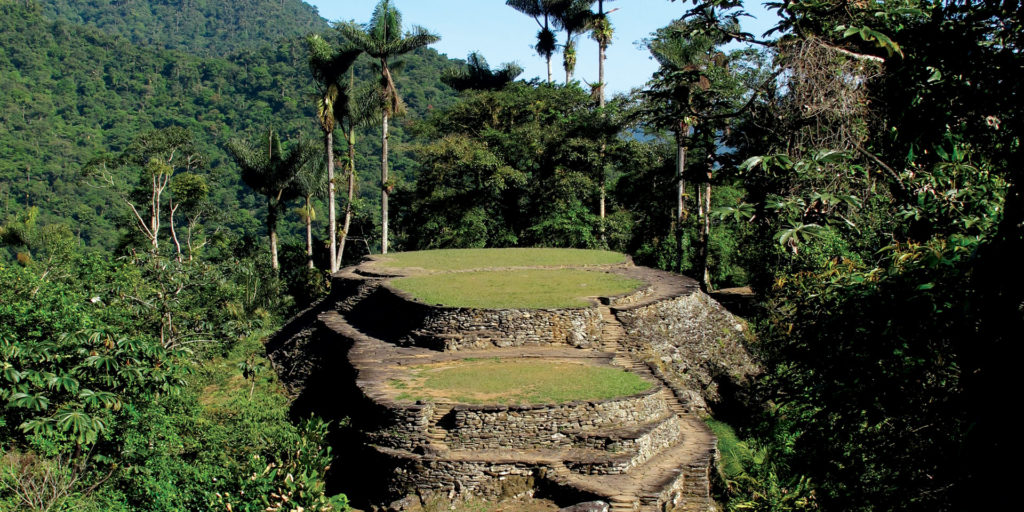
(541, 10)
(573, 17)
(328, 68)
(269, 171)
(384, 40)
(357, 108)
(601, 31)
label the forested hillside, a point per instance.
(201, 27)
(72, 93)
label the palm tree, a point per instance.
(573, 17)
(309, 182)
(383, 39)
(601, 31)
(328, 68)
(356, 108)
(541, 9)
(269, 171)
(477, 75)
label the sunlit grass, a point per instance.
(514, 381)
(463, 259)
(529, 288)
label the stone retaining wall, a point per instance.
(637, 450)
(631, 298)
(463, 328)
(401, 427)
(525, 427)
(427, 475)
(697, 343)
(398, 316)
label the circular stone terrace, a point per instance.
(491, 364)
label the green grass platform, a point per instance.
(528, 288)
(464, 259)
(514, 381)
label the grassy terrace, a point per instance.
(464, 259)
(513, 381)
(530, 288)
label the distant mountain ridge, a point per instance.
(200, 27)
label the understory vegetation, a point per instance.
(178, 180)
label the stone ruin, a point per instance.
(645, 452)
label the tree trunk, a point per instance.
(174, 234)
(351, 138)
(705, 229)
(332, 224)
(154, 216)
(384, 187)
(272, 230)
(309, 234)
(681, 147)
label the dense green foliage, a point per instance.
(197, 27)
(73, 93)
(882, 195)
(122, 391)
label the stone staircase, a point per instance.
(682, 468)
(436, 433)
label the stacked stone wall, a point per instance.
(525, 427)
(635, 450)
(398, 316)
(695, 341)
(403, 428)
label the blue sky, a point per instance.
(502, 34)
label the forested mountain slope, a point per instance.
(202, 27)
(69, 93)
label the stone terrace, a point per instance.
(645, 452)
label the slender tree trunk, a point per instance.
(604, 144)
(384, 187)
(272, 230)
(154, 216)
(351, 138)
(681, 147)
(332, 224)
(706, 276)
(309, 234)
(174, 234)
(705, 228)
